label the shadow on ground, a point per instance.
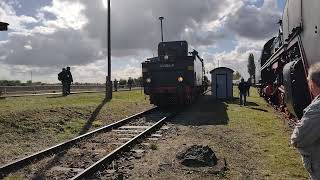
(93, 117)
(258, 109)
(56, 97)
(207, 111)
(39, 174)
(236, 100)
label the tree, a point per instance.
(138, 81)
(122, 82)
(10, 83)
(251, 67)
(236, 76)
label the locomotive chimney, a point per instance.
(161, 19)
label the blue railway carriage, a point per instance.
(175, 77)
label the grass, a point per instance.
(79, 100)
(267, 136)
(29, 124)
(51, 120)
(154, 147)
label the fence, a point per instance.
(39, 89)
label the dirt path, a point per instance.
(252, 140)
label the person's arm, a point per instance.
(306, 131)
(71, 78)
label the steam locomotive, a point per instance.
(286, 58)
(174, 77)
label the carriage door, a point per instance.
(221, 86)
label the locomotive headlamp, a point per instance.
(166, 57)
(180, 79)
(148, 80)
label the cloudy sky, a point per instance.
(46, 35)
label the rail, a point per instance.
(113, 155)
(21, 163)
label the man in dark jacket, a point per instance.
(243, 92)
(249, 84)
(69, 80)
(306, 136)
(130, 82)
(62, 76)
(115, 85)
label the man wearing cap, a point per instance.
(69, 80)
(306, 135)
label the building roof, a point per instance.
(221, 68)
(3, 26)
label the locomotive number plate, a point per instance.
(166, 65)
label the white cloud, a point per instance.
(28, 47)
(67, 15)
(73, 32)
(17, 23)
(254, 22)
(237, 59)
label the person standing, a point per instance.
(249, 84)
(69, 80)
(243, 92)
(306, 136)
(115, 85)
(62, 76)
(130, 82)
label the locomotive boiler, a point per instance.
(175, 76)
(286, 58)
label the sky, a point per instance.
(47, 35)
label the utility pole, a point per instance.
(161, 19)
(3, 27)
(109, 83)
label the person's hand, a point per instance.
(294, 144)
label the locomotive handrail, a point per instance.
(283, 48)
(273, 58)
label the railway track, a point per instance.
(87, 154)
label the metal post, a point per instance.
(3, 27)
(108, 87)
(161, 19)
(109, 92)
